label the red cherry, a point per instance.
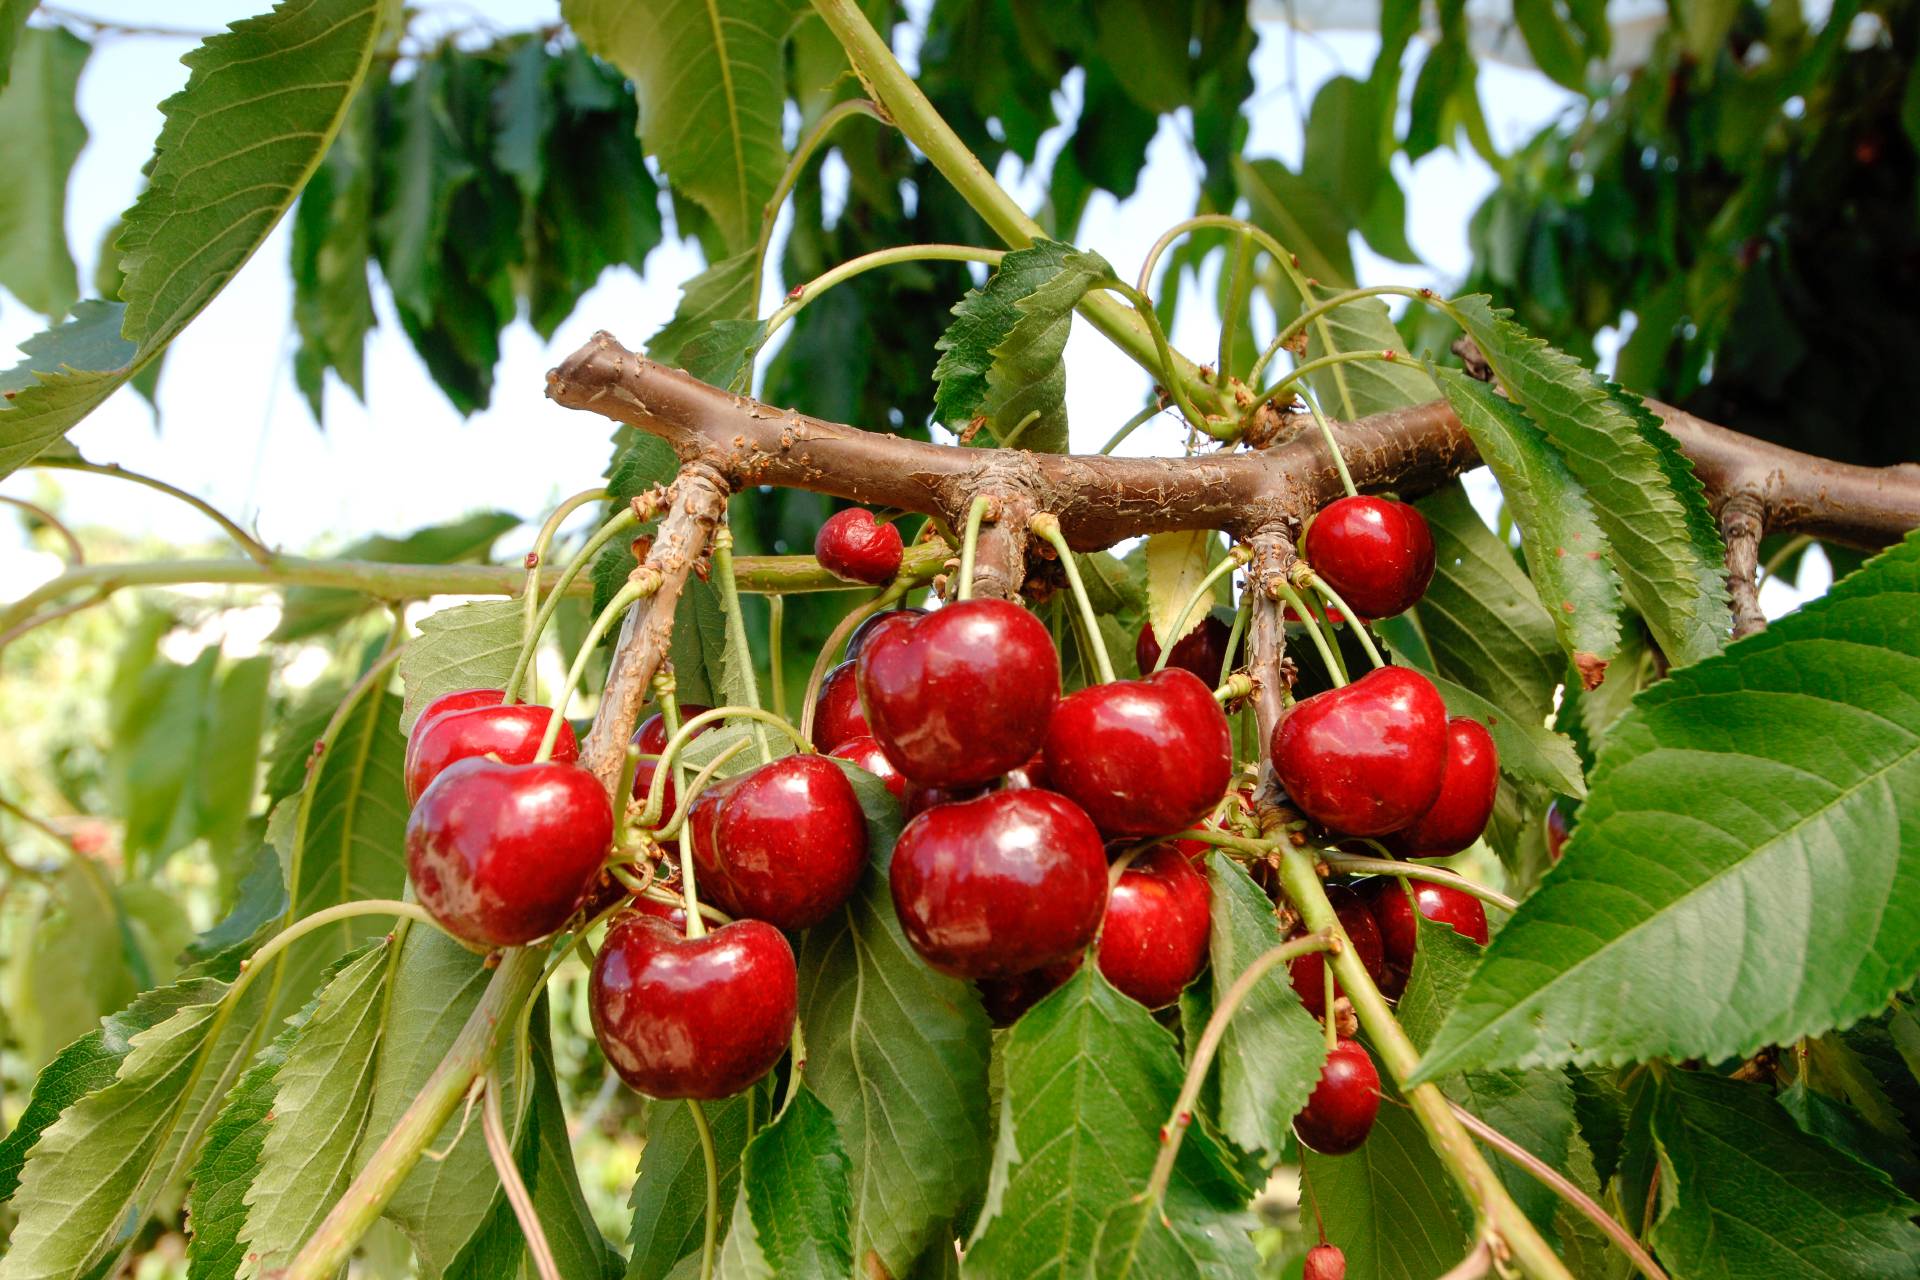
(1324, 1262)
(1001, 885)
(512, 734)
(866, 753)
(651, 737)
(1154, 941)
(852, 546)
(836, 710)
(1400, 935)
(1142, 757)
(1031, 774)
(686, 1017)
(962, 695)
(878, 622)
(1005, 999)
(1366, 759)
(916, 799)
(1375, 552)
(445, 704)
(674, 913)
(1308, 972)
(500, 853)
(1340, 1110)
(1558, 829)
(1202, 650)
(1467, 784)
(784, 843)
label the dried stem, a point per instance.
(1742, 521)
(500, 1151)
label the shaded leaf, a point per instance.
(41, 134)
(332, 240)
(791, 1217)
(724, 291)
(669, 1196)
(1358, 388)
(1177, 563)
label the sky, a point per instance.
(232, 428)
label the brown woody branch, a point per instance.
(1101, 500)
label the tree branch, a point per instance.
(1741, 517)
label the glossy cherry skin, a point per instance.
(1154, 941)
(1142, 757)
(1400, 934)
(1459, 813)
(1375, 552)
(836, 710)
(1006, 999)
(1307, 972)
(866, 753)
(686, 1017)
(784, 843)
(999, 886)
(1558, 829)
(651, 737)
(879, 622)
(1202, 650)
(962, 695)
(916, 800)
(1324, 1262)
(512, 734)
(1340, 1110)
(853, 547)
(1366, 759)
(500, 853)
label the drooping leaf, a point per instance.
(899, 1054)
(1552, 43)
(13, 21)
(1090, 1079)
(985, 319)
(1776, 782)
(1177, 563)
(1568, 555)
(153, 761)
(1644, 492)
(470, 646)
(1299, 216)
(1751, 1195)
(1358, 388)
(227, 771)
(670, 1194)
(41, 135)
(711, 90)
(311, 610)
(1026, 400)
(791, 1217)
(332, 240)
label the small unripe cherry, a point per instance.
(853, 546)
(1558, 829)
(1324, 1262)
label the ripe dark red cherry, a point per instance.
(1366, 759)
(1459, 813)
(651, 737)
(999, 886)
(1400, 934)
(500, 853)
(784, 843)
(1154, 941)
(836, 710)
(475, 724)
(1307, 972)
(1324, 1262)
(1340, 1110)
(1142, 757)
(1558, 829)
(877, 622)
(1005, 999)
(851, 545)
(866, 753)
(962, 695)
(916, 800)
(1377, 553)
(686, 1017)
(1202, 650)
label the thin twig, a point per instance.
(256, 550)
(1347, 864)
(76, 554)
(501, 1153)
(1477, 1263)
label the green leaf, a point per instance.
(1090, 1079)
(423, 169)
(1358, 388)
(311, 610)
(1270, 1058)
(724, 291)
(1750, 1195)
(711, 91)
(898, 1052)
(1568, 555)
(1177, 563)
(1529, 751)
(791, 1217)
(332, 240)
(153, 761)
(320, 1102)
(64, 372)
(1643, 490)
(13, 22)
(227, 770)
(470, 646)
(1299, 216)
(40, 137)
(1773, 783)
(669, 1196)
(524, 110)
(1551, 43)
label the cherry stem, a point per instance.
(622, 600)
(1133, 424)
(976, 512)
(796, 165)
(1236, 557)
(665, 690)
(530, 594)
(256, 551)
(1221, 840)
(623, 795)
(1346, 864)
(1209, 1044)
(1477, 1263)
(656, 794)
(1552, 1179)
(621, 520)
(1326, 435)
(740, 657)
(1241, 616)
(713, 1175)
(1047, 525)
(504, 1164)
(828, 651)
(866, 262)
(1326, 1008)
(1299, 323)
(776, 675)
(1310, 623)
(678, 822)
(1169, 378)
(1238, 685)
(1324, 589)
(1283, 384)
(1239, 287)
